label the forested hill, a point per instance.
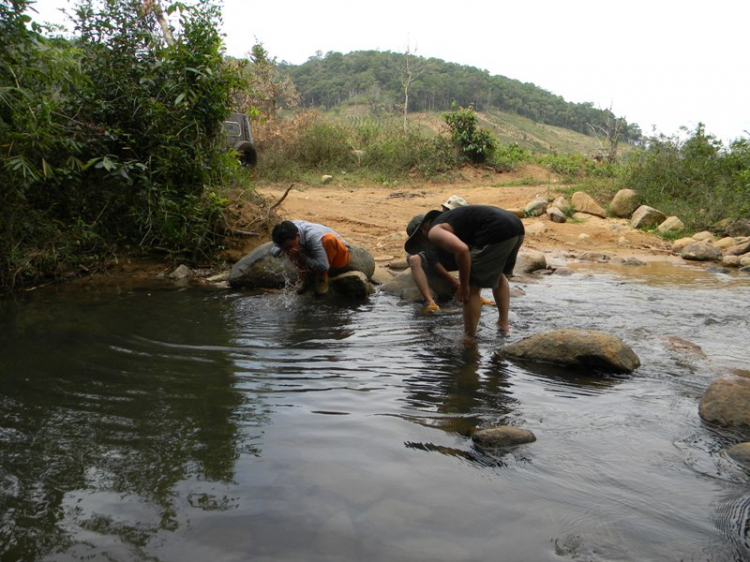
(377, 78)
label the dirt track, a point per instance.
(375, 217)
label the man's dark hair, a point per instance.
(285, 230)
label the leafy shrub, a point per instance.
(695, 178)
(475, 144)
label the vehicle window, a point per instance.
(232, 128)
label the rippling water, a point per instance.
(194, 424)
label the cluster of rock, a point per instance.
(729, 243)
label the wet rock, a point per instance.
(402, 286)
(684, 347)
(584, 203)
(351, 284)
(701, 251)
(528, 262)
(182, 272)
(261, 270)
(502, 436)
(727, 402)
(647, 217)
(583, 348)
(600, 257)
(624, 203)
(740, 453)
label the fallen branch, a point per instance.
(272, 207)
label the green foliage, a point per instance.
(114, 137)
(507, 157)
(372, 78)
(477, 145)
(374, 147)
(695, 178)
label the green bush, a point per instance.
(695, 178)
(477, 145)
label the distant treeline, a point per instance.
(376, 78)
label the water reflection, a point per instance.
(125, 398)
(194, 425)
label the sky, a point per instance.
(662, 64)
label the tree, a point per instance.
(610, 130)
(410, 68)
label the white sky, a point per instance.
(658, 63)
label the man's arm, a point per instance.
(442, 236)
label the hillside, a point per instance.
(377, 80)
(507, 127)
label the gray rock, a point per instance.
(739, 228)
(647, 217)
(536, 207)
(556, 215)
(701, 251)
(260, 270)
(624, 203)
(502, 436)
(563, 204)
(738, 249)
(583, 348)
(351, 284)
(727, 402)
(402, 286)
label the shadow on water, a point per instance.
(199, 424)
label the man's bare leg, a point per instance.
(471, 312)
(502, 300)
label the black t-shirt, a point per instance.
(479, 225)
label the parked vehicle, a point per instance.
(240, 138)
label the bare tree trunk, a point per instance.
(154, 7)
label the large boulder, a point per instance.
(584, 203)
(529, 262)
(727, 401)
(624, 203)
(402, 286)
(581, 348)
(261, 270)
(647, 217)
(701, 251)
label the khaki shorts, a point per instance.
(489, 262)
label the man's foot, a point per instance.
(321, 284)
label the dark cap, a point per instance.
(416, 241)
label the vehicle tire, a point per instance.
(248, 154)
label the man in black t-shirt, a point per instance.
(484, 241)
